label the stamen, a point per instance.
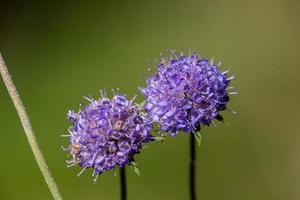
(94, 157)
(233, 93)
(65, 135)
(71, 165)
(95, 179)
(230, 78)
(81, 171)
(132, 100)
(211, 62)
(65, 148)
(225, 72)
(103, 93)
(70, 161)
(229, 88)
(175, 54)
(70, 131)
(90, 100)
(113, 91)
(232, 111)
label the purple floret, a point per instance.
(107, 133)
(186, 92)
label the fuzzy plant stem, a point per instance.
(123, 183)
(28, 130)
(192, 177)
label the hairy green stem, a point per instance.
(28, 130)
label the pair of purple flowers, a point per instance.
(184, 93)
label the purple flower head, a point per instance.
(186, 92)
(107, 133)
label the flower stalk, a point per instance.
(38, 155)
(123, 183)
(192, 177)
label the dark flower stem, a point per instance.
(192, 167)
(123, 183)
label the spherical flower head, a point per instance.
(107, 133)
(186, 92)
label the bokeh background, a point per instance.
(60, 51)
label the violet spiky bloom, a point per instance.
(107, 133)
(186, 92)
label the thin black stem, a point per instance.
(192, 167)
(123, 183)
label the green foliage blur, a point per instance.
(60, 51)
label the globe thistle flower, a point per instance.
(186, 92)
(107, 133)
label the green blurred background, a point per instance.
(60, 51)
